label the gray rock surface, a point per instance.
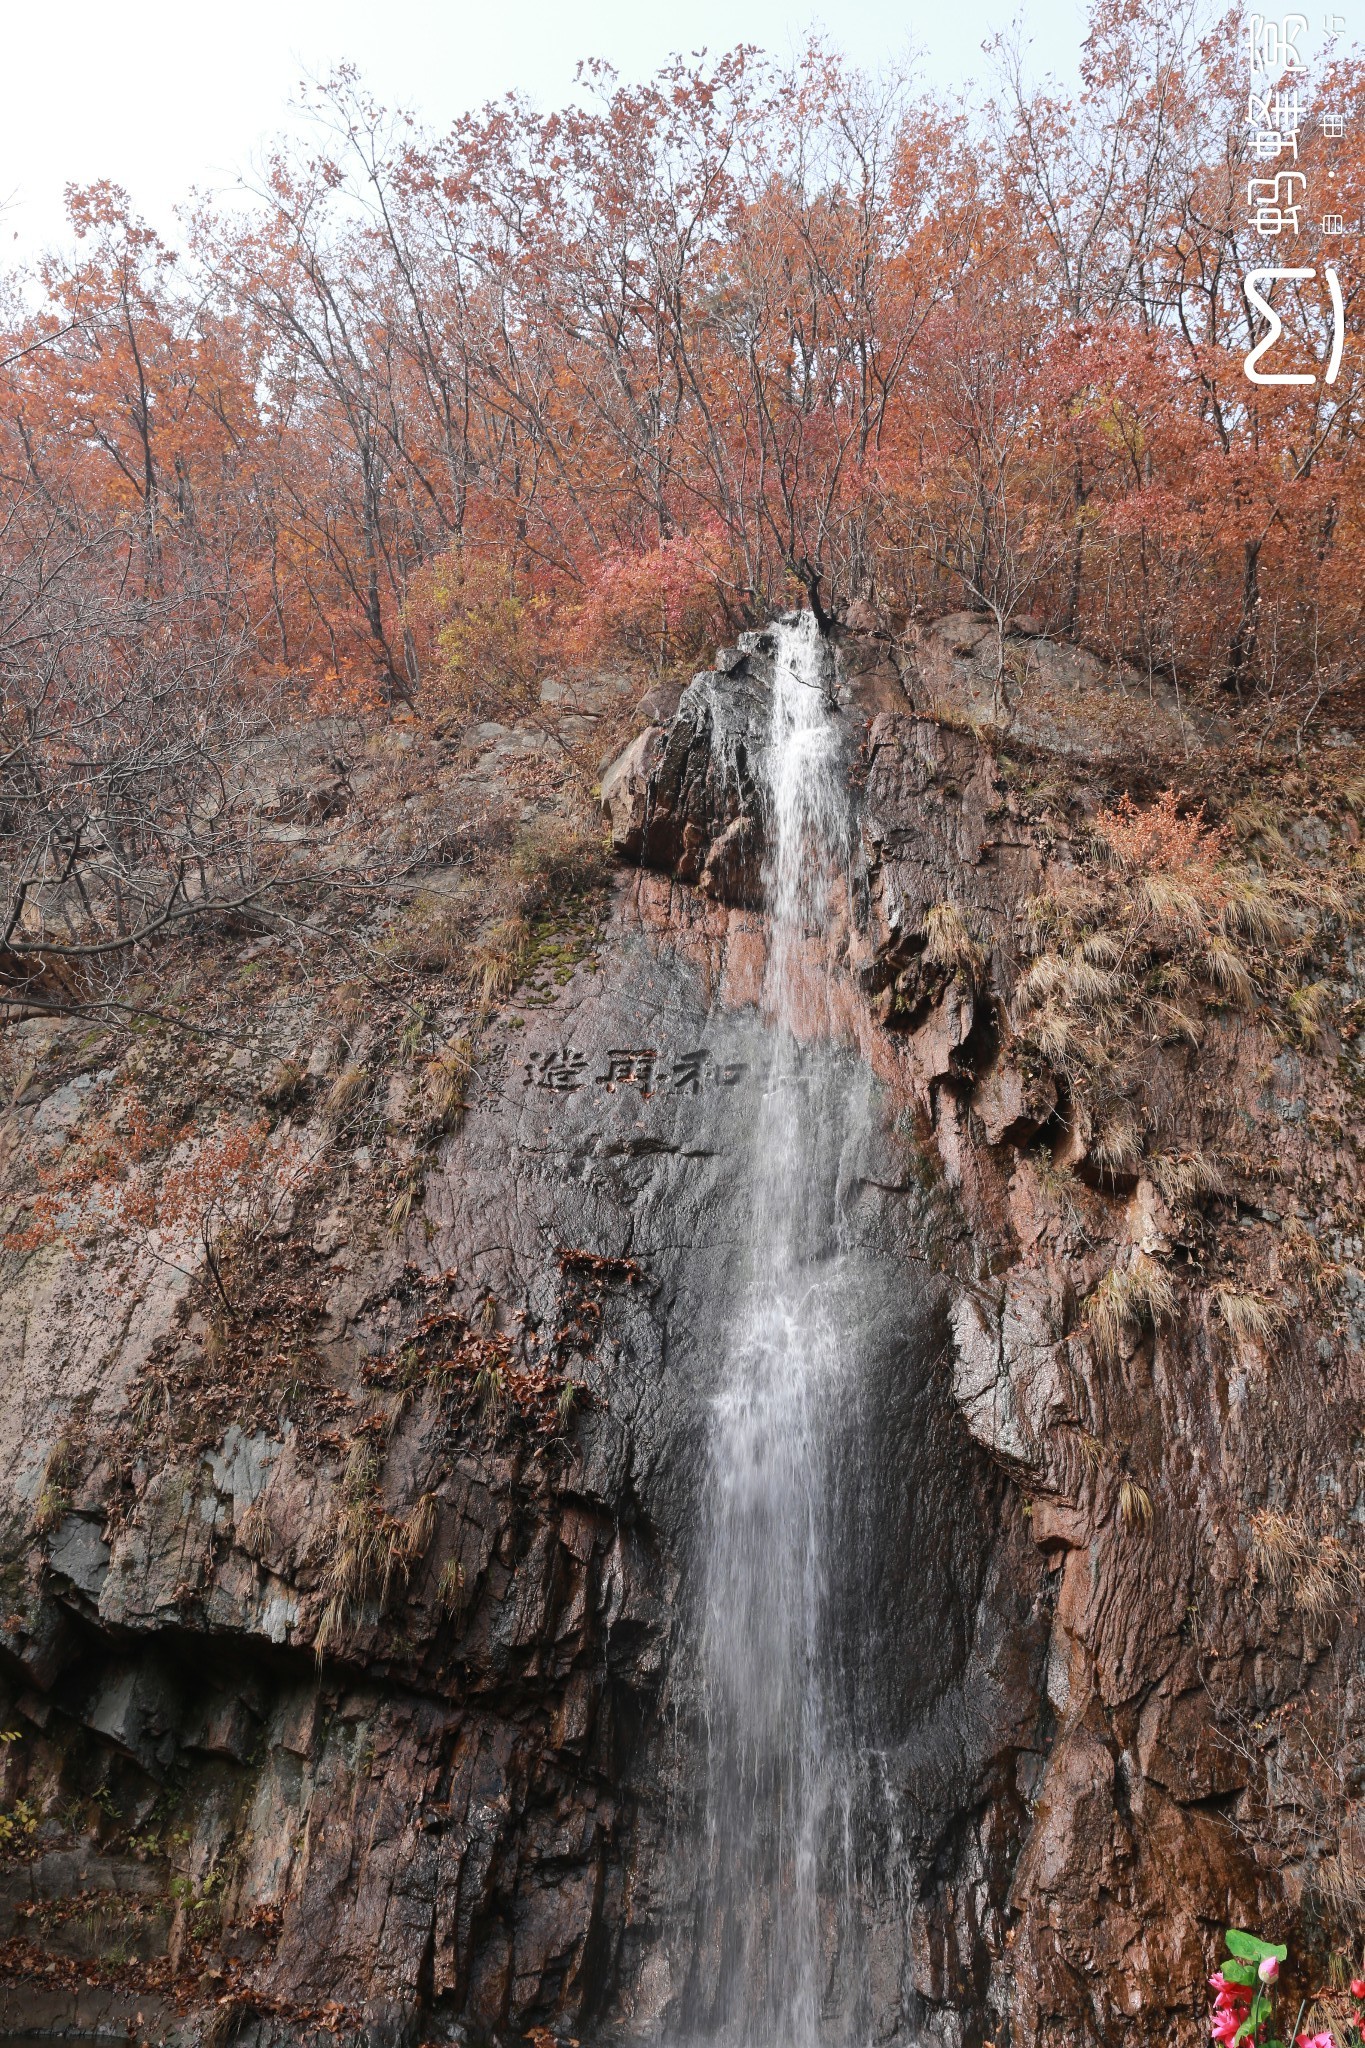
(459, 1799)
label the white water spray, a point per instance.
(786, 1826)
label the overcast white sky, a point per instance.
(174, 93)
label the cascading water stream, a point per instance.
(787, 1832)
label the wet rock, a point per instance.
(463, 1816)
(732, 871)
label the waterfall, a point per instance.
(787, 1817)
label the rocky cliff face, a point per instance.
(349, 1526)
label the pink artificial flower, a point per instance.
(1230, 1997)
(1358, 1987)
(1323, 2040)
(1224, 2025)
(1268, 1969)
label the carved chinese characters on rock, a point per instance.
(565, 1069)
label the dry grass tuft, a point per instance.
(1150, 1293)
(413, 1032)
(1320, 1273)
(1101, 949)
(1173, 1023)
(450, 1586)
(1249, 1318)
(405, 1201)
(1093, 1452)
(374, 1550)
(1317, 1573)
(1117, 1145)
(53, 1503)
(1276, 1544)
(1330, 1579)
(1060, 1040)
(949, 945)
(1135, 1503)
(1226, 971)
(1124, 1302)
(1308, 1011)
(500, 959)
(1257, 820)
(1071, 1005)
(444, 1082)
(283, 1086)
(1339, 1881)
(1185, 1178)
(492, 1393)
(419, 1526)
(1061, 911)
(346, 1094)
(1253, 912)
(1069, 979)
(1105, 1316)
(1173, 906)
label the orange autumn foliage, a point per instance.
(663, 607)
(90, 1172)
(1156, 838)
(234, 1180)
(438, 410)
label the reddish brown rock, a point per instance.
(462, 1811)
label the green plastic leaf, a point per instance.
(1252, 1948)
(1239, 1973)
(1255, 2019)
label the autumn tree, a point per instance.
(433, 410)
